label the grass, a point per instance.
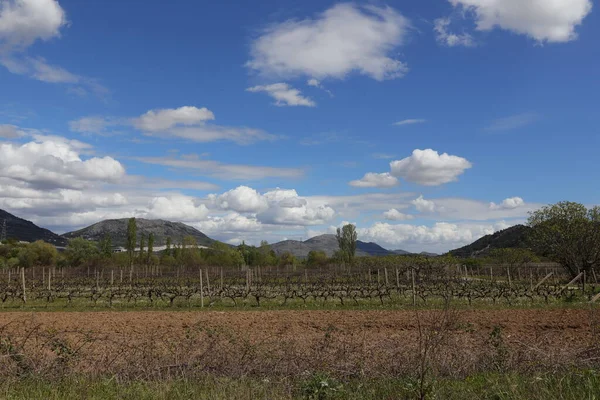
(575, 385)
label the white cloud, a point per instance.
(181, 208)
(313, 82)
(410, 122)
(440, 237)
(343, 39)
(161, 120)
(429, 168)
(224, 171)
(450, 39)
(230, 223)
(22, 22)
(186, 122)
(423, 205)
(395, 215)
(284, 95)
(54, 163)
(508, 204)
(240, 199)
(542, 20)
(513, 122)
(382, 156)
(374, 180)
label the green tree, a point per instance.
(168, 249)
(569, 234)
(346, 237)
(142, 247)
(80, 252)
(105, 246)
(150, 247)
(131, 242)
(46, 254)
(316, 258)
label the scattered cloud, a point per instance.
(374, 180)
(410, 122)
(24, 22)
(542, 20)
(222, 170)
(187, 122)
(446, 38)
(424, 206)
(395, 215)
(513, 122)
(429, 168)
(10, 132)
(284, 95)
(508, 204)
(345, 38)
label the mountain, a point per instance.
(20, 229)
(427, 254)
(328, 244)
(117, 230)
(401, 252)
(513, 237)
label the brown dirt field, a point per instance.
(289, 342)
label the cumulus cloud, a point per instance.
(423, 205)
(343, 39)
(374, 180)
(22, 23)
(410, 122)
(508, 204)
(542, 20)
(447, 38)
(240, 199)
(180, 208)
(50, 162)
(395, 215)
(275, 207)
(429, 168)
(230, 223)
(187, 122)
(284, 95)
(440, 237)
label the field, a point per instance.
(391, 332)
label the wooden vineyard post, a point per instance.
(121, 276)
(112, 277)
(387, 283)
(508, 273)
(397, 279)
(43, 276)
(571, 282)
(542, 281)
(414, 288)
(207, 281)
(491, 274)
(221, 278)
(305, 276)
(201, 291)
(97, 280)
(595, 298)
(49, 279)
(583, 283)
(23, 284)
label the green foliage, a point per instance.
(317, 258)
(150, 247)
(513, 257)
(346, 237)
(81, 252)
(569, 234)
(321, 387)
(105, 246)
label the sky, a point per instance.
(426, 124)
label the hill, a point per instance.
(27, 231)
(328, 244)
(117, 230)
(513, 237)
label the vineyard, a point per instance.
(431, 282)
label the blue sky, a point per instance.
(426, 125)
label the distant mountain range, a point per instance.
(117, 230)
(23, 230)
(513, 237)
(329, 244)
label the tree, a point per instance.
(46, 254)
(168, 249)
(150, 247)
(346, 237)
(80, 252)
(316, 258)
(105, 246)
(131, 242)
(569, 234)
(142, 246)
